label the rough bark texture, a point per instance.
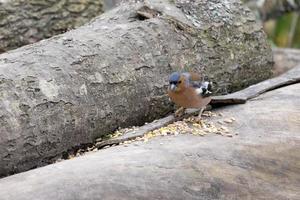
(75, 87)
(109, 4)
(261, 162)
(25, 22)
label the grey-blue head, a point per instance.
(174, 80)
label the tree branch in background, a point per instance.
(269, 9)
(293, 29)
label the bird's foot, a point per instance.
(200, 113)
(179, 112)
(195, 120)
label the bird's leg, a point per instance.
(200, 113)
(179, 112)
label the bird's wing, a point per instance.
(203, 88)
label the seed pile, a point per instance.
(191, 125)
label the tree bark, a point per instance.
(109, 4)
(25, 22)
(73, 88)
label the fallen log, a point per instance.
(25, 22)
(73, 88)
(261, 162)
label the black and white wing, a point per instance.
(203, 88)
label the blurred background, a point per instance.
(280, 19)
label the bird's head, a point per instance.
(176, 82)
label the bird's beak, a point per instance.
(173, 87)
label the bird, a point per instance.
(189, 90)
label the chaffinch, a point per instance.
(188, 90)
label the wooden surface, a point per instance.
(260, 161)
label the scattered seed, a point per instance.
(99, 139)
(228, 121)
(191, 125)
(220, 122)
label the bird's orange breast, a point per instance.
(188, 98)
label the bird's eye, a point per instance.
(179, 82)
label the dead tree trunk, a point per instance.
(25, 22)
(78, 86)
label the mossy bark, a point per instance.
(25, 22)
(68, 90)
